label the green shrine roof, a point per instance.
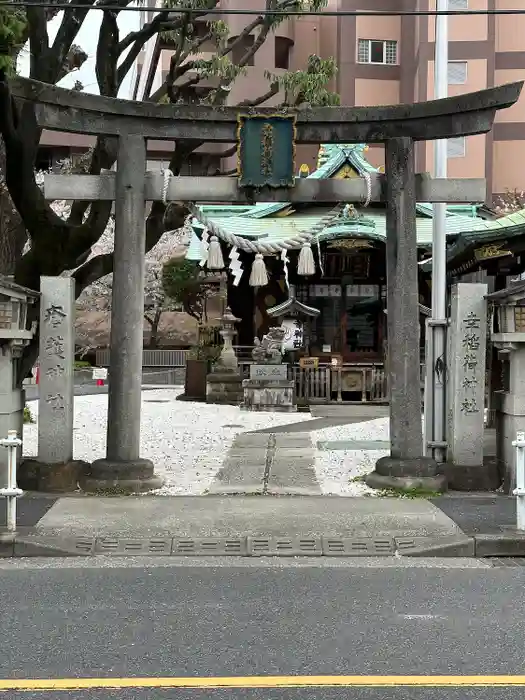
(279, 221)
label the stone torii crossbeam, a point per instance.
(398, 127)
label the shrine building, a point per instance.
(349, 285)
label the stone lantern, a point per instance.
(508, 336)
(224, 383)
(227, 361)
(14, 336)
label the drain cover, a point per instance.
(232, 425)
(157, 400)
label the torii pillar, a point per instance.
(405, 467)
(123, 468)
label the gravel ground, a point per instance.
(186, 441)
(337, 469)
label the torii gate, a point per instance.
(398, 127)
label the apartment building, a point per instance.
(391, 59)
(286, 49)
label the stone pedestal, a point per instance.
(467, 335)
(224, 387)
(420, 473)
(269, 389)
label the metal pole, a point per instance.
(439, 246)
(12, 492)
(519, 491)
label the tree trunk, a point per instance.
(13, 235)
(154, 322)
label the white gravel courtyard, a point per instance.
(187, 441)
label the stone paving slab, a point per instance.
(223, 516)
(268, 464)
(251, 440)
(291, 441)
(353, 445)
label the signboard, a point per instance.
(327, 348)
(337, 361)
(293, 334)
(269, 372)
(352, 381)
(100, 373)
(266, 150)
(326, 290)
(309, 362)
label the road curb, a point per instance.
(25, 545)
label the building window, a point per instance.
(282, 52)
(375, 51)
(458, 4)
(239, 50)
(456, 147)
(457, 72)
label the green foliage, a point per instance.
(407, 493)
(12, 32)
(309, 86)
(178, 276)
(208, 345)
(192, 4)
(210, 353)
(82, 364)
(28, 416)
(181, 284)
(220, 67)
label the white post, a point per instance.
(439, 246)
(12, 492)
(519, 491)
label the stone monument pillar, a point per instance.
(406, 467)
(55, 468)
(467, 349)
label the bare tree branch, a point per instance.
(72, 20)
(38, 42)
(107, 55)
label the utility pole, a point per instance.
(436, 361)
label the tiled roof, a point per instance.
(268, 221)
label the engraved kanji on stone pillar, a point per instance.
(466, 369)
(57, 352)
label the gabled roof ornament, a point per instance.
(292, 306)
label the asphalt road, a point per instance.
(150, 618)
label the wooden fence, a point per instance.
(150, 358)
(320, 385)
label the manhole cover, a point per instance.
(232, 425)
(157, 400)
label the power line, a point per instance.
(273, 13)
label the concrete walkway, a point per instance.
(268, 464)
(245, 516)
